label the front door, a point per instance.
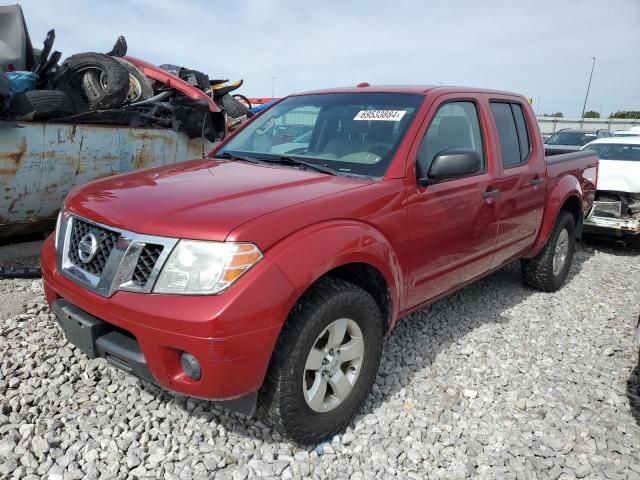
(452, 223)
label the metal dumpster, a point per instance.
(41, 162)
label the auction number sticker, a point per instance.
(383, 115)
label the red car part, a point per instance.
(159, 75)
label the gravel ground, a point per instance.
(496, 381)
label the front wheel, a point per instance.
(549, 269)
(324, 363)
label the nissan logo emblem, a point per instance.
(87, 247)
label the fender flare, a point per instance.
(566, 188)
(308, 254)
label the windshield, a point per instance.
(571, 138)
(616, 151)
(351, 133)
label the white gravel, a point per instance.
(496, 381)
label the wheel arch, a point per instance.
(350, 250)
(566, 196)
(371, 280)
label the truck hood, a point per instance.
(202, 199)
(619, 176)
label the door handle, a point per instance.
(490, 194)
(537, 181)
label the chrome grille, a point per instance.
(106, 241)
(114, 259)
(146, 261)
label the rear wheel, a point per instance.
(549, 269)
(324, 363)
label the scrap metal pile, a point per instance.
(109, 88)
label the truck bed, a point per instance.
(582, 165)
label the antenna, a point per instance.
(584, 107)
(204, 122)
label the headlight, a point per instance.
(57, 232)
(199, 268)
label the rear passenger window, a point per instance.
(523, 131)
(455, 125)
(507, 133)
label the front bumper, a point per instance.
(617, 227)
(232, 335)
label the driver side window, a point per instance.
(455, 125)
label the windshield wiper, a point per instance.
(297, 161)
(283, 159)
(239, 158)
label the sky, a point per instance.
(540, 48)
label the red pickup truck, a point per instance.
(267, 275)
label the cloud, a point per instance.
(541, 49)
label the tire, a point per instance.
(243, 100)
(41, 105)
(234, 108)
(282, 401)
(110, 92)
(539, 272)
(140, 87)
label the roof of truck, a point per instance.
(419, 89)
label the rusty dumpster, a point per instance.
(41, 162)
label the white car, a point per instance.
(617, 207)
(632, 132)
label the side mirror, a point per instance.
(449, 163)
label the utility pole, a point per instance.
(538, 105)
(584, 107)
(273, 87)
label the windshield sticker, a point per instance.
(381, 115)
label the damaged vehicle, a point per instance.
(616, 210)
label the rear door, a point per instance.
(521, 179)
(452, 223)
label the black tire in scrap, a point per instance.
(234, 108)
(111, 90)
(548, 270)
(325, 362)
(41, 105)
(243, 100)
(140, 87)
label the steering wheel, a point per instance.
(265, 128)
(380, 149)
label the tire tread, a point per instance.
(537, 272)
(41, 104)
(276, 401)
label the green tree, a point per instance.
(631, 114)
(591, 114)
(557, 115)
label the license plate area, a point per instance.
(80, 328)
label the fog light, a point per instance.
(191, 366)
